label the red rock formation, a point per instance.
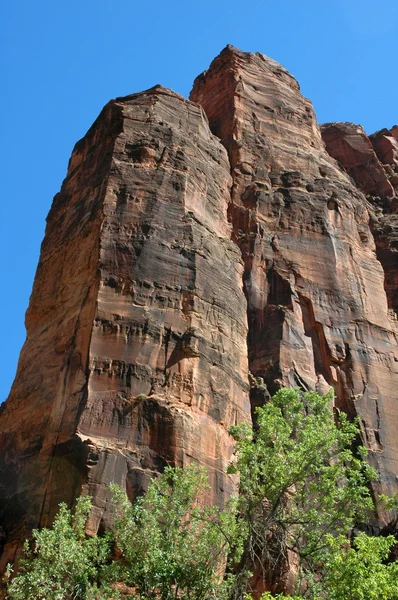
(384, 225)
(350, 146)
(373, 164)
(385, 213)
(317, 308)
(136, 352)
(136, 348)
(385, 144)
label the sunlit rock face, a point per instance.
(196, 247)
(136, 352)
(351, 147)
(168, 366)
(317, 309)
(372, 162)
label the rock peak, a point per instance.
(155, 90)
(233, 58)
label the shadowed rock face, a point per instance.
(385, 144)
(317, 308)
(384, 213)
(163, 281)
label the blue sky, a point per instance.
(63, 60)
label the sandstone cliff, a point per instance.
(136, 348)
(372, 162)
(182, 253)
(317, 308)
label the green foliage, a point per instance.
(299, 480)
(389, 503)
(61, 563)
(360, 572)
(172, 545)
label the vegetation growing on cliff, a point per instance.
(302, 489)
(299, 481)
(62, 563)
(172, 544)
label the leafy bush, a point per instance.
(358, 572)
(172, 545)
(61, 563)
(299, 481)
(361, 572)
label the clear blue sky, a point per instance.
(63, 60)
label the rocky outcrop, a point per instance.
(385, 144)
(136, 350)
(351, 147)
(385, 213)
(178, 271)
(373, 164)
(317, 309)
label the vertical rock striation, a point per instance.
(136, 349)
(373, 164)
(317, 308)
(350, 146)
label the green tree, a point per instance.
(172, 545)
(360, 572)
(62, 563)
(299, 481)
(357, 572)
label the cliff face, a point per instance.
(136, 349)
(372, 162)
(163, 280)
(317, 309)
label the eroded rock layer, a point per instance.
(317, 308)
(136, 349)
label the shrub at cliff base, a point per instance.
(62, 563)
(172, 545)
(360, 572)
(299, 481)
(302, 489)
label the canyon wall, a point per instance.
(198, 249)
(136, 332)
(317, 308)
(372, 162)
